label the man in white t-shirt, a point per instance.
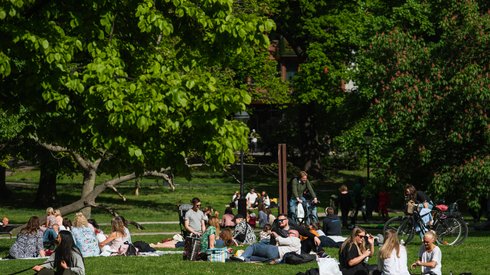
(430, 255)
(251, 199)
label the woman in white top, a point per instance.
(392, 256)
(115, 240)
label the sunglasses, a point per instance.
(362, 236)
(281, 220)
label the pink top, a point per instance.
(117, 243)
(227, 220)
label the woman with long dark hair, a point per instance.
(66, 259)
(29, 242)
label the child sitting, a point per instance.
(265, 234)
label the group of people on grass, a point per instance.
(392, 258)
(67, 243)
(283, 236)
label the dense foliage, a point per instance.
(144, 82)
(427, 81)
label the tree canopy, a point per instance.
(145, 84)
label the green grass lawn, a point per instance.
(468, 257)
(157, 203)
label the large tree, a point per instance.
(143, 83)
(427, 81)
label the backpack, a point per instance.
(295, 258)
(128, 249)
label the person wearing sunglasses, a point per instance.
(311, 241)
(354, 252)
(267, 252)
(194, 220)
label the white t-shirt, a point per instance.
(394, 265)
(434, 255)
(251, 197)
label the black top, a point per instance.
(345, 201)
(350, 252)
(421, 197)
(332, 225)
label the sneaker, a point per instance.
(237, 259)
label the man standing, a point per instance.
(251, 199)
(194, 218)
(263, 252)
(299, 185)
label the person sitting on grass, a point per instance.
(66, 259)
(4, 225)
(332, 229)
(282, 226)
(227, 220)
(265, 234)
(227, 236)
(29, 241)
(210, 237)
(353, 252)
(267, 252)
(392, 255)
(84, 236)
(430, 255)
(115, 240)
(244, 233)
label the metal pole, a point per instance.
(367, 179)
(242, 192)
(242, 202)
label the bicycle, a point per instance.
(449, 226)
(309, 216)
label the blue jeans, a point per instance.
(261, 252)
(293, 205)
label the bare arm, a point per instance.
(212, 239)
(109, 239)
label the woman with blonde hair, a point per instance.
(84, 236)
(392, 255)
(58, 218)
(353, 253)
(210, 237)
(116, 239)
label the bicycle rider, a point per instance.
(301, 184)
(419, 197)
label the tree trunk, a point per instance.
(137, 186)
(46, 192)
(309, 139)
(89, 177)
(4, 191)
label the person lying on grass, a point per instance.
(267, 252)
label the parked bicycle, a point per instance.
(446, 221)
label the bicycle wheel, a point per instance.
(450, 230)
(403, 226)
(464, 233)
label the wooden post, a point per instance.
(283, 180)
